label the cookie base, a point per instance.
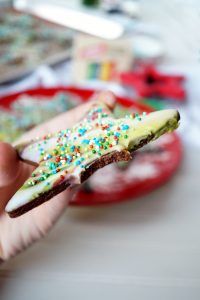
(114, 156)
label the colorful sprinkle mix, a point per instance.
(78, 144)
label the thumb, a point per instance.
(9, 164)
(10, 169)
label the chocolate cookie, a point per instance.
(69, 157)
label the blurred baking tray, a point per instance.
(18, 72)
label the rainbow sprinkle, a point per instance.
(74, 148)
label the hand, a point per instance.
(17, 234)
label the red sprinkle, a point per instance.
(62, 177)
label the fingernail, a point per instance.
(106, 97)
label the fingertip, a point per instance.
(9, 164)
(107, 97)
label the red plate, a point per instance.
(149, 169)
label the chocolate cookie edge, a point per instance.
(115, 156)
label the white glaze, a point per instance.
(139, 130)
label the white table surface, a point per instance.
(145, 249)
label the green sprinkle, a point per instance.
(105, 147)
(125, 136)
(93, 151)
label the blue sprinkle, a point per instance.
(53, 166)
(85, 141)
(124, 127)
(82, 131)
(69, 159)
(117, 134)
(72, 148)
(78, 162)
(82, 158)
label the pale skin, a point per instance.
(18, 234)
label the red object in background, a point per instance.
(171, 152)
(149, 82)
